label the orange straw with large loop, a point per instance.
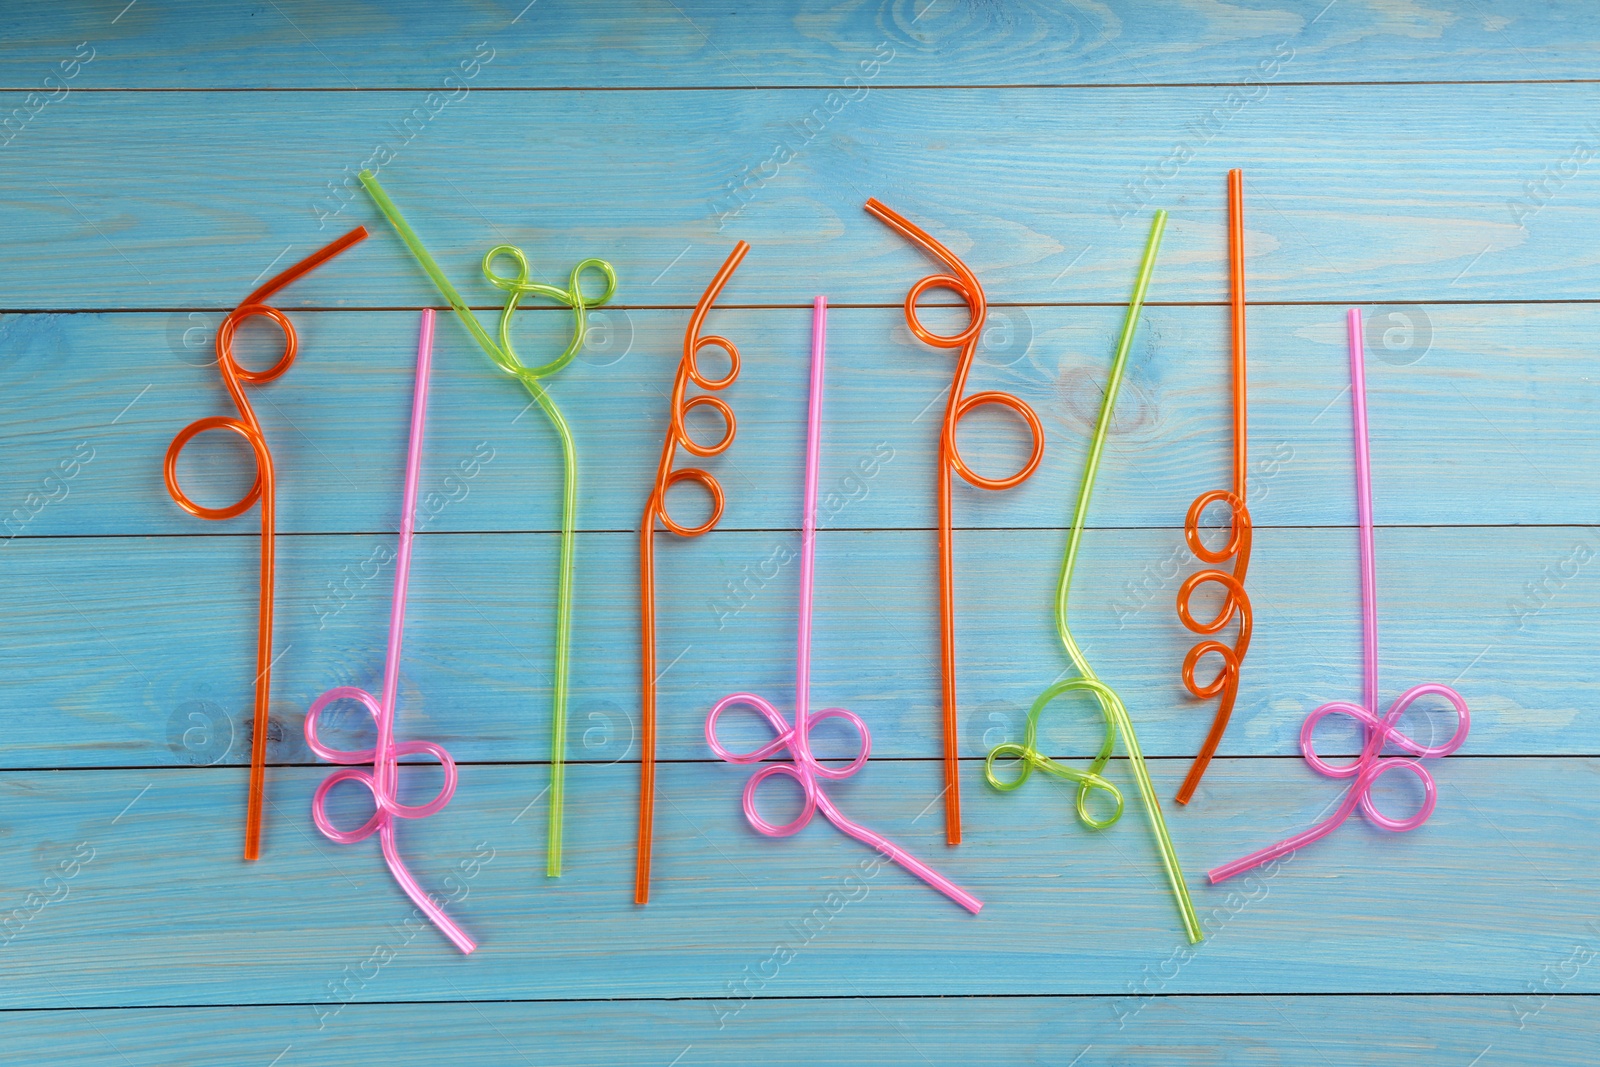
(656, 509)
(1237, 548)
(264, 489)
(965, 285)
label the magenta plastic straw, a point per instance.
(383, 782)
(805, 768)
(1368, 767)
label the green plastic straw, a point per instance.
(1111, 706)
(505, 357)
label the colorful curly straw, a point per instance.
(964, 284)
(264, 489)
(1376, 732)
(803, 766)
(1111, 706)
(1237, 548)
(655, 508)
(505, 357)
(383, 781)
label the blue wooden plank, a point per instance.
(142, 652)
(1488, 403)
(1492, 209)
(1255, 1031)
(1066, 911)
(111, 644)
(944, 42)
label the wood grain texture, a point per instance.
(299, 43)
(227, 181)
(477, 665)
(1265, 1031)
(1481, 415)
(1388, 163)
(1066, 911)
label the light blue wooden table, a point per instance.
(1434, 162)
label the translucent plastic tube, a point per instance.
(803, 767)
(655, 510)
(1377, 732)
(1235, 603)
(264, 489)
(516, 286)
(964, 284)
(1111, 706)
(383, 782)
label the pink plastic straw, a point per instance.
(1378, 732)
(383, 781)
(804, 768)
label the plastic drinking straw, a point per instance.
(505, 357)
(655, 509)
(1111, 706)
(264, 489)
(1377, 733)
(384, 780)
(804, 767)
(965, 284)
(1237, 547)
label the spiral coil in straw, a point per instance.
(504, 355)
(1111, 706)
(964, 284)
(264, 489)
(655, 509)
(1235, 602)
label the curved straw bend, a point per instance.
(655, 508)
(1376, 732)
(1111, 706)
(516, 285)
(803, 766)
(383, 782)
(1235, 603)
(964, 284)
(264, 489)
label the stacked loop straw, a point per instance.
(655, 510)
(1235, 602)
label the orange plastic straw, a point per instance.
(964, 284)
(264, 489)
(656, 509)
(1235, 600)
